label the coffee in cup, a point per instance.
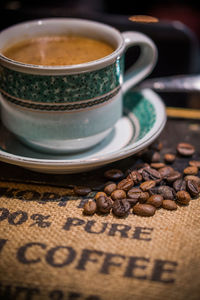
(58, 50)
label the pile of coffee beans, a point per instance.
(148, 186)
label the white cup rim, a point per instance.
(65, 69)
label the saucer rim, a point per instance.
(48, 165)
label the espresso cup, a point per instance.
(69, 108)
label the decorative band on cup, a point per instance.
(61, 106)
(68, 88)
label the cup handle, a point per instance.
(146, 61)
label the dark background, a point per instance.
(177, 35)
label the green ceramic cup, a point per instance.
(61, 109)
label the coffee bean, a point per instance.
(82, 190)
(121, 207)
(183, 197)
(135, 176)
(195, 163)
(141, 167)
(155, 157)
(114, 174)
(157, 145)
(185, 149)
(179, 185)
(99, 194)
(157, 185)
(151, 156)
(165, 171)
(173, 176)
(143, 197)
(145, 210)
(131, 201)
(163, 182)
(169, 204)
(126, 184)
(127, 172)
(155, 200)
(192, 188)
(97, 187)
(193, 178)
(134, 193)
(157, 165)
(108, 182)
(141, 152)
(191, 170)
(151, 174)
(118, 194)
(147, 185)
(166, 191)
(89, 207)
(109, 188)
(104, 204)
(169, 157)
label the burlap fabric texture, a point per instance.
(49, 250)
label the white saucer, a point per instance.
(143, 120)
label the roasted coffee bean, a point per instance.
(132, 202)
(135, 176)
(134, 193)
(192, 188)
(195, 163)
(114, 174)
(157, 146)
(183, 197)
(191, 170)
(156, 157)
(141, 167)
(109, 188)
(125, 184)
(90, 207)
(169, 157)
(155, 200)
(179, 185)
(143, 197)
(104, 204)
(163, 182)
(165, 171)
(127, 172)
(151, 156)
(158, 185)
(193, 178)
(185, 149)
(173, 176)
(97, 187)
(82, 190)
(121, 207)
(166, 191)
(169, 204)
(141, 152)
(99, 194)
(151, 174)
(147, 185)
(145, 210)
(118, 194)
(108, 182)
(157, 165)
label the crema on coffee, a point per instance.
(58, 50)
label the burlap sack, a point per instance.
(49, 250)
